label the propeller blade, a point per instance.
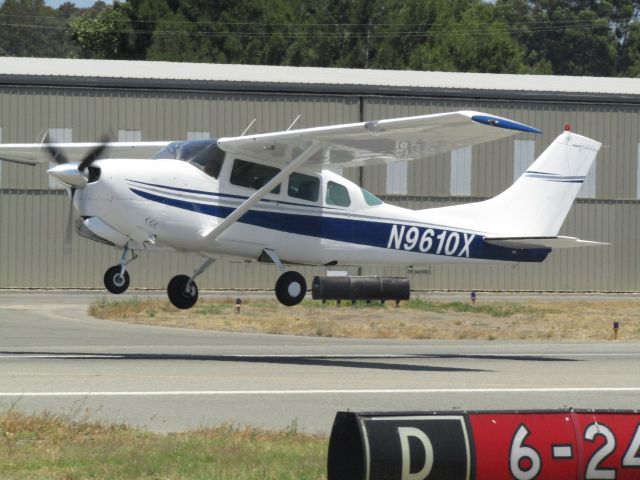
(57, 155)
(66, 249)
(93, 155)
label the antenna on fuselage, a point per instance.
(248, 127)
(294, 122)
(42, 136)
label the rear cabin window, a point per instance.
(337, 195)
(252, 175)
(370, 198)
(304, 187)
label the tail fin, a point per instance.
(537, 204)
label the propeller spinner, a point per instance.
(73, 175)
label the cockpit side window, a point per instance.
(304, 187)
(252, 175)
(337, 195)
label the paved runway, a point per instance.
(54, 357)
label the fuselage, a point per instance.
(313, 217)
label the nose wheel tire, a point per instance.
(182, 294)
(291, 288)
(114, 281)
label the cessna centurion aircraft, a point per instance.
(273, 197)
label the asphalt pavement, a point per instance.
(55, 357)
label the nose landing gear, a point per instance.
(115, 281)
(116, 278)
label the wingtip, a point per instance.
(500, 122)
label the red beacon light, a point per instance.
(567, 127)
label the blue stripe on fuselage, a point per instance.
(398, 236)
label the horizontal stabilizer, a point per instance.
(541, 242)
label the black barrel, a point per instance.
(361, 288)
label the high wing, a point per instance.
(356, 144)
(34, 153)
(377, 142)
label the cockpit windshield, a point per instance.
(204, 154)
(184, 150)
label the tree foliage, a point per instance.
(28, 28)
(102, 32)
(568, 37)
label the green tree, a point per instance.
(468, 39)
(176, 39)
(28, 28)
(630, 52)
(576, 37)
(239, 31)
(103, 32)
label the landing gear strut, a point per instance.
(183, 291)
(116, 278)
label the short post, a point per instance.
(616, 326)
(238, 304)
(473, 297)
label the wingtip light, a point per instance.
(504, 123)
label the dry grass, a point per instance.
(420, 319)
(54, 447)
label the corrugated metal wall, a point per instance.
(33, 217)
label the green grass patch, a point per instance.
(51, 447)
(213, 308)
(497, 309)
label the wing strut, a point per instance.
(234, 216)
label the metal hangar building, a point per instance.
(81, 100)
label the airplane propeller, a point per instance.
(73, 175)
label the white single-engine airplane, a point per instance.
(273, 197)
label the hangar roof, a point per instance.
(199, 76)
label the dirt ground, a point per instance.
(552, 318)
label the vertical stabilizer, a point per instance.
(539, 201)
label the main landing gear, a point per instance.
(291, 286)
(183, 291)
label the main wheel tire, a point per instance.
(291, 288)
(114, 282)
(181, 296)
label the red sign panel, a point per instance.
(566, 445)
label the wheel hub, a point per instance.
(294, 289)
